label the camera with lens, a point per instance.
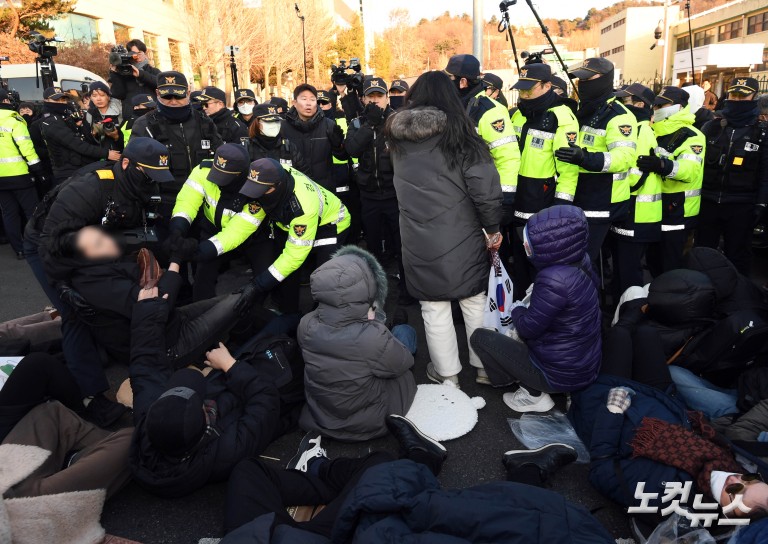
(121, 59)
(38, 44)
(108, 124)
(340, 74)
(535, 58)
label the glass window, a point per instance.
(76, 28)
(150, 40)
(605, 54)
(618, 49)
(729, 31)
(122, 34)
(757, 23)
(175, 51)
(606, 29)
(683, 42)
(619, 23)
(764, 66)
(705, 37)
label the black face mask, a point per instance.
(176, 115)
(501, 99)
(141, 112)
(741, 113)
(592, 89)
(535, 106)
(397, 102)
(641, 114)
(137, 187)
(58, 108)
(28, 118)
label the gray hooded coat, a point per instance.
(356, 372)
(442, 211)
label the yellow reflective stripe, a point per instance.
(298, 242)
(675, 169)
(343, 189)
(502, 141)
(33, 162)
(622, 232)
(622, 143)
(276, 273)
(195, 185)
(597, 214)
(342, 215)
(325, 242)
(12, 159)
(595, 131)
(635, 171)
(509, 188)
(621, 176)
(541, 134)
(183, 216)
(248, 217)
(564, 196)
(607, 159)
(695, 192)
(668, 228)
(661, 152)
(219, 246)
(523, 215)
(21, 138)
(690, 157)
(648, 198)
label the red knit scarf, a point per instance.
(673, 445)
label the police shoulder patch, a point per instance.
(253, 208)
(299, 230)
(626, 130)
(572, 136)
(697, 149)
(499, 125)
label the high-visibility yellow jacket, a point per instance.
(17, 152)
(235, 227)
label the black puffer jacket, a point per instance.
(247, 408)
(70, 147)
(318, 140)
(230, 129)
(442, 211)
(280, 149)
(126, 87)
(374, 173)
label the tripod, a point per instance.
(233, 68)
(505, 26)
(45, 68)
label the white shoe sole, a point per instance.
(537, 450)
(544, 404)
(437, 378)
(418, 431)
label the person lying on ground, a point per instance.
(561, 329)
(193, 429)
(357, 370)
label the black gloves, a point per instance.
(262, 283)
(374, 115)
(572, 154)
(180, 249)
(758, 215)
(76, 301)
(652, 163)
(337, 137)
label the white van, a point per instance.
(21, 78)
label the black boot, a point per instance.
(414, 443)
(103, 412)
(548, 459)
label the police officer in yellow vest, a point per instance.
(307, 218)
(643, 226)
(228, 224)
(17, 160)
(542, 124)
(493, 125)
(141, 104)
(679, 159)
(605, 151)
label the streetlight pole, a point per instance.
(477, 29)
(303, 38)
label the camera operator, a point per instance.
(214, 102)
(245, 101)
(104, 115)
(189, 135)
(68, 136)
(348, 87)
(131, 74)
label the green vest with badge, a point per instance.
(235, 227)
(541, 173)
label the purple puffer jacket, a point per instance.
(562, 324)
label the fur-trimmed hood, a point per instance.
(417, 124)
(65, 518)
(349, 285)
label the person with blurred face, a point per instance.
(318, 138)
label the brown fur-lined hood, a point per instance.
(418, 124)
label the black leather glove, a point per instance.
(247, 295)
(652, 163)
(337, 137)
(76, 301)
(374, 115)
(185, 249)
(572, 154)
(170, 242)
(758, 215)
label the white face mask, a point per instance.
(717, 482)
(666, 112)
(270, 130)
(245, 109)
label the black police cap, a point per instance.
(152, 156)
(671, 95)
(531, 74)
(230, 163)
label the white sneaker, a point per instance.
(522, 401)
(433, 375)
(482, 377)
(308, 449)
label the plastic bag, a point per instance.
(498, 307)
(677, 530)
(538, 430)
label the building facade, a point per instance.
(728, 41)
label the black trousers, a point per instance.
(627, 263)
(597, 234)
(734, 223)
(507, 361)
(16, 204)
(667, 253)
(523, 271)
(349, 193)
(257, 488)
(636, 354)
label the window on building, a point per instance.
(757, 23)
(618, 23)
(606, 29)
(705, 37)
(76, 28)
(683, 42)
(605, 54)
(122, 33)
(618, 49)
(729, 31)
(150, 40)
(175, 50)
(764, 66)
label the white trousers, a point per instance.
(441, 332)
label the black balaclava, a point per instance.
(536, 106)
(641, 114)
(397, 102)
(277, 198)
(593, 93)
(741, 113)
(177, 115)
(501, 99)
(58, 108)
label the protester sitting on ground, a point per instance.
(637, 431)
(39, 406)
(357, 371)
(108, 283)
(561, 329)
(193, 429)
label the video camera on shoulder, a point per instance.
(536, 58)
(121, 59)
(340, 74)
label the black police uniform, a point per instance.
(230, 129)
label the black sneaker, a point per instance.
(308, 449)
(103, 412)
(20, 256)
(548, 459)
(411, 438)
